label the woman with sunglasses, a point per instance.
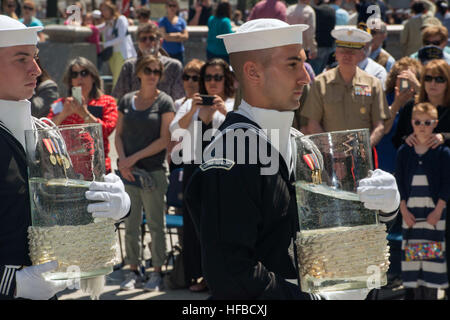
(191, 79)
(174, 32)
(142, 137)
(434, 88)
(217, 80)
(95, 106)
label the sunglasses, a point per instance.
(426, 123)
(172, 5)
(83, 73)
(434, 43)
(28, 8)
(148, 71)
(438, 79)
(149, 38)
(216, 77)
(186, 77)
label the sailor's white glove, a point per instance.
(358, 294)
(30, 284)
(379, 192)
(115, 201)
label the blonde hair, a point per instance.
(425, 108)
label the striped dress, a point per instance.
(429, 273)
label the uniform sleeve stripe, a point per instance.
(8, 276)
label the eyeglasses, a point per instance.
(28, 8)
(11, 5)
(149, 38)
(215, 77)
(438, 79)
(148, 71)
(83, 73)
(434, 43)
(186, 77)
(172, 5)
(426, 123)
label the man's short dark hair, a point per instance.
(418, 7)
(143, 12)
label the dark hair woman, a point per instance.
(95, 107)
(220, 23)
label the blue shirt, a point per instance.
(342, 15)
(445, 52)
(217, 26)
(169, 46)
(35, 22)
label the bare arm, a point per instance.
(377, 133)
(175, 36)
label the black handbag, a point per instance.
(106, 54)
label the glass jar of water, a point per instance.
(62, 162)
(340, 245)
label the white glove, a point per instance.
(115, 201)
(379, 192)
(358, 294)
(30, 284)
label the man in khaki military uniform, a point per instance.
(346, 97)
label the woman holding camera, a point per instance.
(204, 113)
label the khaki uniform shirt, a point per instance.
(340, 106)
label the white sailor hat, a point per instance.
(15, 33)
(263, 34)
(350, 37)
(96, 14)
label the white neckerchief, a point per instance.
(272, 119)
(16, 116)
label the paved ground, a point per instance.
(112, 287)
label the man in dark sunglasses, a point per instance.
(29, 19)
(149, 41)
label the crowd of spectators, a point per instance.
(155, 88)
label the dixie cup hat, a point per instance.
(15, 33)
(263, 34)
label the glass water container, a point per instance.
(62, 162)
(341, 245)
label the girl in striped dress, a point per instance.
(424, 183)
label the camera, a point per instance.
(207, 100)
